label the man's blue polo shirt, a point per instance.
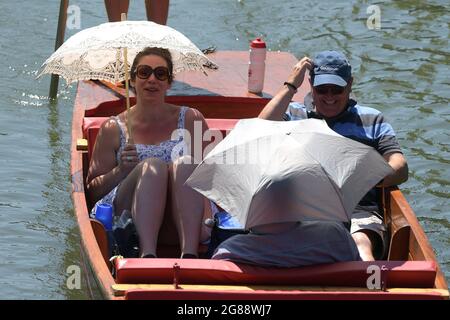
(362, 124)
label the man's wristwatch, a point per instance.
(290, 85)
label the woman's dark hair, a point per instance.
(160, 52)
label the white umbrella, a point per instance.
(106, 52)
(270, 172)
(95, 53)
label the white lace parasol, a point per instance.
(94, 53)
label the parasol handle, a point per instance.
(127, 95)
(123, 17)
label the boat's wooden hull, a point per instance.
(223, 95)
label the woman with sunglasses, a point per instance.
(331, 83)
(144, 172)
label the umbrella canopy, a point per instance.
(270, 172)
(95, 54)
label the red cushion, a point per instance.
(409, 274)
(224, 125)
(91, 126)
(92, 123)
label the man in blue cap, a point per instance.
(331, 82)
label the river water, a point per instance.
(400, 68)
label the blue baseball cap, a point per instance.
(331, 67)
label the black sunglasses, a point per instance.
(324, 89)
(144, 72)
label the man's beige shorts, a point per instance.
(370, 220)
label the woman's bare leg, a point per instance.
(114, 8)
(144, 191)
(187, 206)
(157, 10)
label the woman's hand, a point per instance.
(128, 159)
(298, 73)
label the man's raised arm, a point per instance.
(276, 107)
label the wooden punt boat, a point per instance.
(411, 271)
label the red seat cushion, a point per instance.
(91, 127)
(92, 123)
(224, 125)
(409, 274)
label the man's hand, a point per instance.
(298, 73)
(276, 107)
(128, 159)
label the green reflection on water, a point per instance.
(59, 205)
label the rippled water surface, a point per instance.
(401, 69)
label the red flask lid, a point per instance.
(258, 43)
